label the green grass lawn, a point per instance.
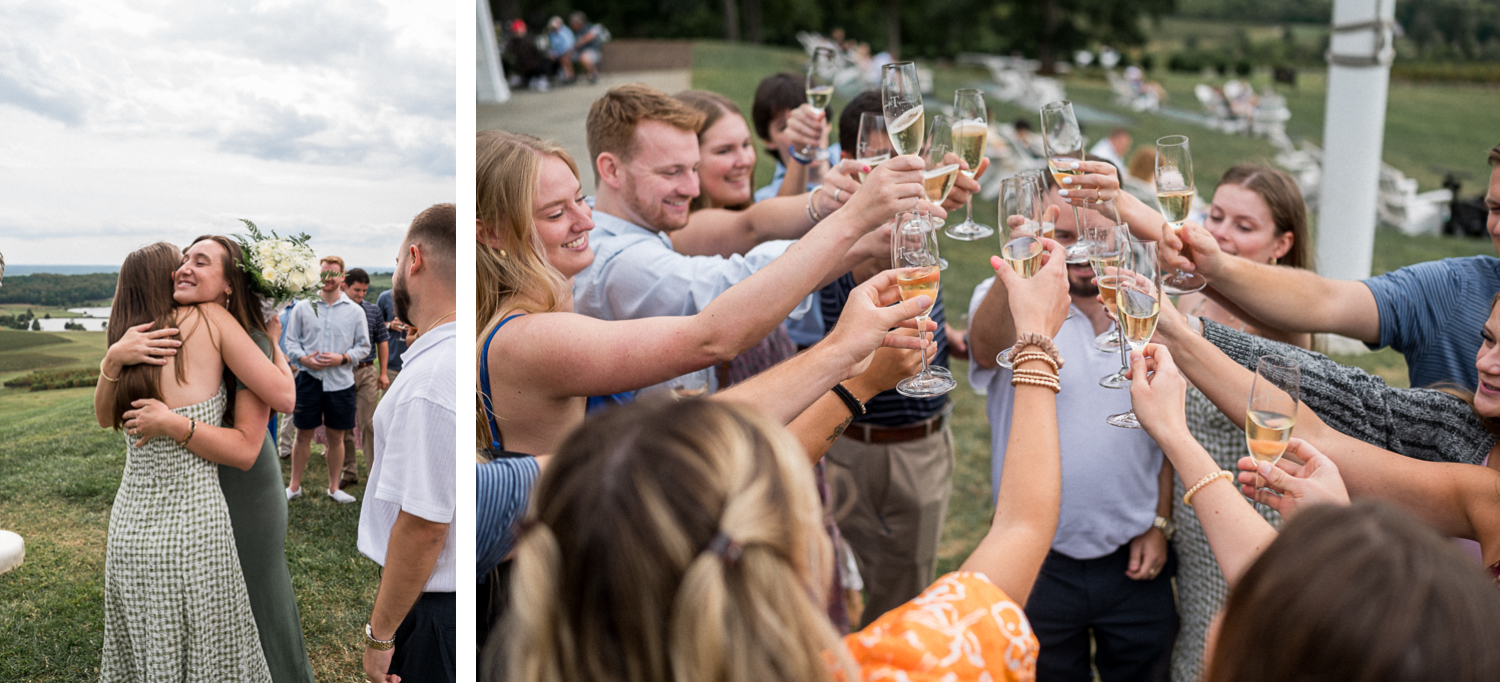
(734, 70)
(58, 476)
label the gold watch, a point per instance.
(1165, 525)
(371, 642)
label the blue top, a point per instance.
(594, 402)
(387, 307)
(314, 327)
(890, 408)
(835, 154)
(559, 41)
(502, 489)
(1434, 312)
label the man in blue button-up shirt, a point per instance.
(325, 340)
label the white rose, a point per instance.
(296, 282)
(268, 275)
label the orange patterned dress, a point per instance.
(961, 628)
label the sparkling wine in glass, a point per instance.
(1174, 194)
(873, 147)
(1272, 412)
(942, 163)
(1137, 306)
(901, 99)
(820, 72)
(1063, 141)
(970, 130)
(914, 256)
(1023, 205)
(1106, 241)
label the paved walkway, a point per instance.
(560, 114)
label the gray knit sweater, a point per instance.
(1419, 423)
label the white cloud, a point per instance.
(128, 120)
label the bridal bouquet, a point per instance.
(281, 268)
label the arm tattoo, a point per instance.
(839, 430)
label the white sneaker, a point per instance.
(293, 495)
(340, 497)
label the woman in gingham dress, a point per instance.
(175, 602)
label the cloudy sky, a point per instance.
(125, 122)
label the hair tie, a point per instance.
(728, 550)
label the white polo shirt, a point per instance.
(414, 451)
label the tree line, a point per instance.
(47, 289)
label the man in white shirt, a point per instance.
(1104, 592)
(644, 147)
(1113, 148)
(325, 339)
(406, 525)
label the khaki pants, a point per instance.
(889, 501)
(366, 396)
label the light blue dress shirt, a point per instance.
(341, 328)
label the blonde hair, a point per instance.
(515, 275)
(333, 259)
(613, 118)
(617, 575)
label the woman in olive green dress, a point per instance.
(210, 273)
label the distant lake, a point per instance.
(56, 324)
(100, 312)
(23, 269)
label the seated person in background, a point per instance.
(560, 42)
(711, 509)
(525, 64)
(785, 123)
(1326, 598)
(588, 43)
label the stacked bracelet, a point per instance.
(1035, 355)
(1187, 498)
(856, 408)
(1036, 378)
(812, 210)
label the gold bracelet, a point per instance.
(1053, 385)
(1187, 498)
(373, 643)
(192, 429)
(101, 373)
(1035, 355)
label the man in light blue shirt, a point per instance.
(325, 339)
(645, 150)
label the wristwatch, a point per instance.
(377, 644)
(1165, 525)
(344, 360)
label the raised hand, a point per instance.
(1202, 254)
(887, 366)
(1158, 393)
(1100, 180)
(1315, 483)
(892, 187)
(868, 319)
(964, 187)
(1038, 303)
(149, 418)
(806, 127)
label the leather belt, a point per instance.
(366, 364)
(868, 433)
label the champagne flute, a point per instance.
(901, 99)
(1174, 194)
(969, 133)
(942, 163)
(914, 256)
(1272, 412)
(1137, 305)
(820, 72)
(1106, 241)
(873, 146)
(1022, 207)
(1063, 140)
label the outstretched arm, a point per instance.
(272, 382)
(724, 232)
(237, 446)
(1236, 532)
(1020, 534)
(139, 344)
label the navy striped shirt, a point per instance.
(503, 487)
(889, 408)
(378, 333)
(1434, 312)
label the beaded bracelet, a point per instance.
(856, 408)
(1187, 498)
(1021, 379)
(1035, 355)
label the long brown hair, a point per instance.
(1467, 396)
(143, 294)
(713, 106)
(1288, 209)
(617, 576)
(1359, 593)
(243, 303)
